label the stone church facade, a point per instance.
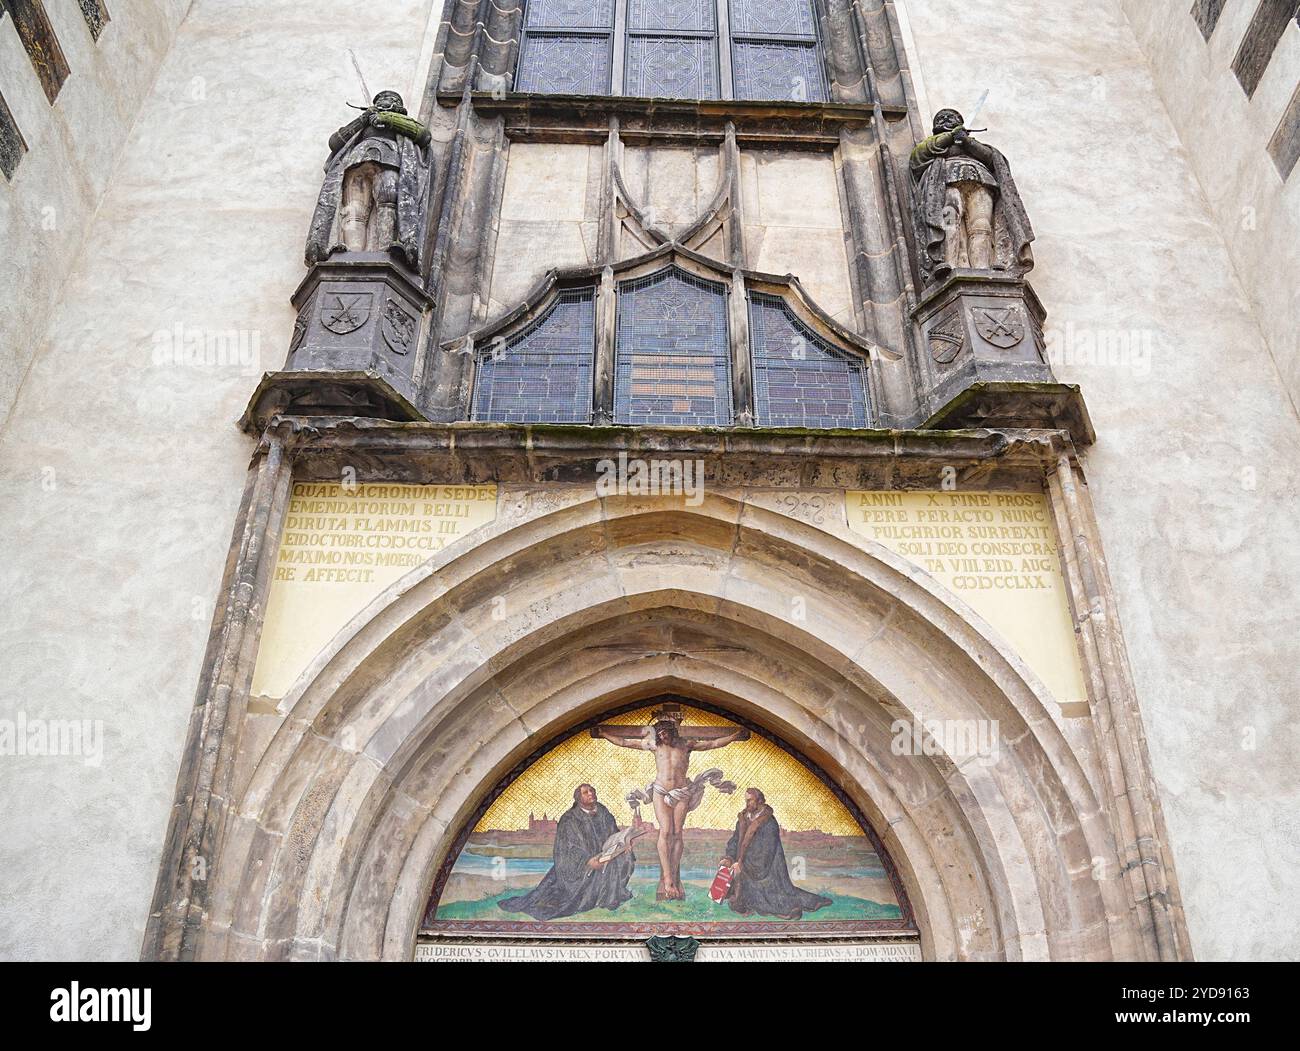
(649, 351)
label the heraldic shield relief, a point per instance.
(667, 818)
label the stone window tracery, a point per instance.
(671, 360)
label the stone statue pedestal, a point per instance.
(983, 361)
(355, 344)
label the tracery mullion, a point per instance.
(742, 356)
(722, 16)
(620, 47)
(603, 372)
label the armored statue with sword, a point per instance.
(376, 182)
(966, 207)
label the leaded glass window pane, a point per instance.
(774, 53)
(773, 18)
(778, 71)
(672, 359)
(565, 65)
(567, 47)
(571, 14)
(671, 67)
(672, 49)
(799, 379)
(669, 49)
(678, 16)
(543, 374)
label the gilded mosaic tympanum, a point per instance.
(667, 818)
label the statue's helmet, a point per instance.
(390, 101)
(947, 120)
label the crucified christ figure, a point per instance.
(673, 793)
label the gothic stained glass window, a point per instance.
(800, 380)
(672, 362)
(672, 49)
(567, 47)
(543, 374)
(774, 51)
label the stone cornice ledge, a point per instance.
(586, 118)
(323, 446)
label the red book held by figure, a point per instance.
(721, 884)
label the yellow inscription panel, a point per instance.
(998, 551)
(342, 545)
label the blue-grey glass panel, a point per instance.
(672, 358)
(772, 18)
(565, 65)
(671, 68)
(543, 374)
(681, 16)
(786, 72)
(571, 14)
(799, 379)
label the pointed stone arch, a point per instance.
(428, 695)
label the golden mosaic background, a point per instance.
(800, 800)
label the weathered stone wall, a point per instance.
(795, 224)
(72, 147)
(121, 466)
(550, 212)
(1194, 473)
(551, 207)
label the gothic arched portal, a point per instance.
(563, 610)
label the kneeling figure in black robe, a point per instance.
(760, 880)
(579, 881)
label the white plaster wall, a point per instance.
(71, 149)
(1227, 136)
(1194, 473)
(121, 468)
